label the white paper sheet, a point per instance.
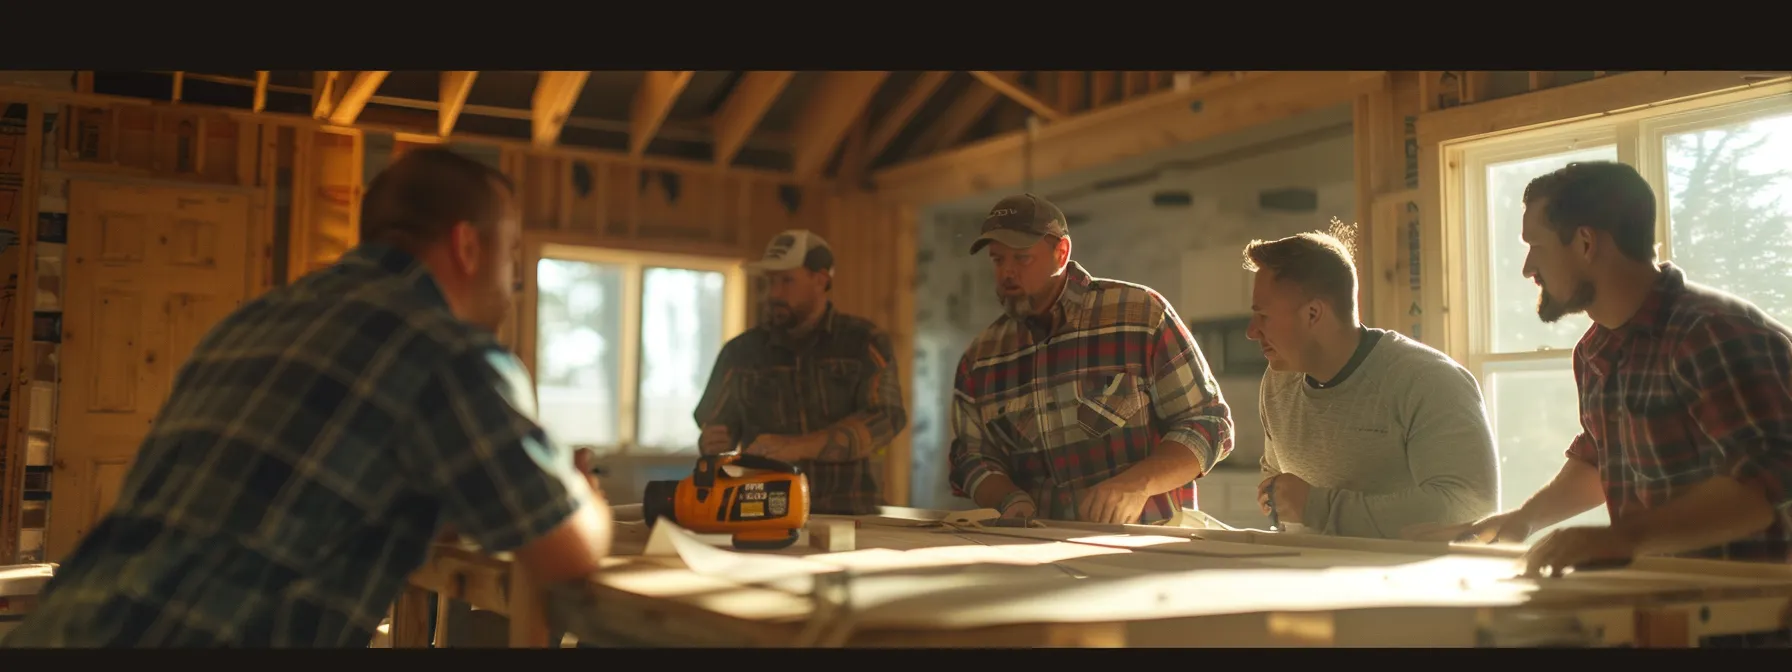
(16, 580)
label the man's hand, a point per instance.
(1290, 497)
(1111, 501)
(788, 449)
(1511, 527)
(585, 460)
(1568, 547)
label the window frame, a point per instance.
(1638, 136)
(634, 264)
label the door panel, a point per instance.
(151, 270)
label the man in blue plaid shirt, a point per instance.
(324, 434)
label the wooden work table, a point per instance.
(1075, 584)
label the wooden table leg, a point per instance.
(410, 619)
(528, 612)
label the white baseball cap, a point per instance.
(796, 248)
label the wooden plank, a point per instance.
(555, 93)
(261, 91)
(1117, 132)
(839, 100)
(1006, 84)
(751, 98)
(456, 86)
(653, 101)
(904, 111)
(1605, 95)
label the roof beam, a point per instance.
(456, 84)
(323, 92)
(837, 102)
(1008, 85)
(653, 101)
(261, 91)
(356, 95)
(752, 96)
(555, 94)
(180, 79)
(953, 123)
(1145, 124)
(898, 116)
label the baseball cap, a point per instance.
(1020, 221)
(796, 248)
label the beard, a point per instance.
(1019, 307)
(778, 315)
(1549, 309)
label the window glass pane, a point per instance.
(1512, 300)
(681, 334)
(578, 347)
(1730, 209)
(1536, 414)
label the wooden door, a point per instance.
(150, 270)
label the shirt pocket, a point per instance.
(1013, 424)
(764, 397)
(839, 387)
(1109, 400)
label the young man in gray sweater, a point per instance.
(1366, 431)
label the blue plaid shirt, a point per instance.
(310, 451)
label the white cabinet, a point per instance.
(1214, 284)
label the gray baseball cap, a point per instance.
(1021, 221)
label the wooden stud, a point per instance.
(555, 94)
(179, 81)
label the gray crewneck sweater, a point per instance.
(1402, 439)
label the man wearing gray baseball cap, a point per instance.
(1088, 399)
(810, 386)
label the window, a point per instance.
(1723, 172)
(624, 343)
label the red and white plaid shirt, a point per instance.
(1697, 384)
(1117, 375)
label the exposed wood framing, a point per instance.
(555, 94)
(898, 117)
(653, 101)
(956, 120)
(356, 95)
(323, 93)
(456, 84)
(740, 115)
(838, 101)
(261, 91)
(1006, 84)
(1216, 106)
(180, 79)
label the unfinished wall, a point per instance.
(1126, 237)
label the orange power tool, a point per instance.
(764, 508)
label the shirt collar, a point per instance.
(400, 263)
(1652, 316)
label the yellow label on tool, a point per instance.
(752, 509)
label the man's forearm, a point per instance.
(1574, 490)
(1719, 510)
(856, 437)
(1171, 465)
(993, 491)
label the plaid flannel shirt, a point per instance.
(308, 454)
(1697, 384)
(1117, 376)
(842, 380)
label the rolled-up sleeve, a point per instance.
(1737, 380)
(974, 457)
(1185, 397)
(501, 480)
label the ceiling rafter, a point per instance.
(744, 109)
(653, 101)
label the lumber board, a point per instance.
(914, 582)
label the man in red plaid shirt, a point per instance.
(1685, 391)
(1088, 399)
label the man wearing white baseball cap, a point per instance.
(810, 385)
